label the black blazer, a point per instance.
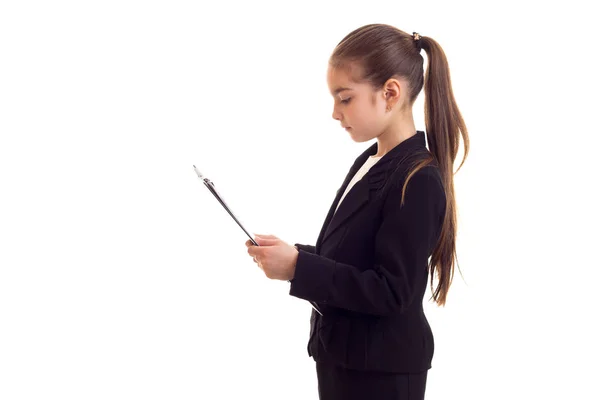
(368, 271)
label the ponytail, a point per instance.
(444, 126)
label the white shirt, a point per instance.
(372, 160)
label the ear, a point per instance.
(391, 91)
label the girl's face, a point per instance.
(359, 108)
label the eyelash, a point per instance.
(346, 101)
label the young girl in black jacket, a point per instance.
(391, 226)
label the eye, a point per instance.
(346, 101)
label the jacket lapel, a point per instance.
(325, 230)
(355, 199)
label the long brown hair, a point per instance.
(381, 52)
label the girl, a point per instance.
(392, 224)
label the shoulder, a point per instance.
(429, 173)
(420, 165)
(416, 184)
(426, 180)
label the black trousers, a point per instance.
(338, 383)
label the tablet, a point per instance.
(207, 182)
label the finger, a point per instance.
(254, 251)
(267, 241)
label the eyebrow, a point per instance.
(340, 89)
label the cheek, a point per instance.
(365, 114)
(359, 112)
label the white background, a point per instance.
(121, 277)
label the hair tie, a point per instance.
(417, 39)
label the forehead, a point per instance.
(341, 78)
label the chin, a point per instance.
(359, 139)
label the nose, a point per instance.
(336, 115)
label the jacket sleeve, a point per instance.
(403, 243)
(306, 247)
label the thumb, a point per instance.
(265, 236)
(266, 240)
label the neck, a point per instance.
(402, 128)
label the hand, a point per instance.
(275, 257)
